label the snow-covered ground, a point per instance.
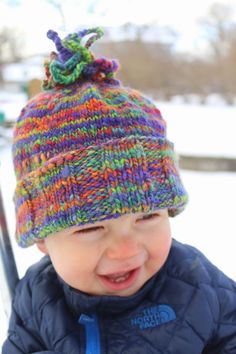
(201, 130)
(209, 219)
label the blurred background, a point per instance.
(183, 55)
(168, 49)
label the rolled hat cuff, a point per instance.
(105, 181)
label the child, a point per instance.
(97, 180)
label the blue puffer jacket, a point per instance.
(189, 307)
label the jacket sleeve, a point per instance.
(20, 340)
(23, 335)
(224, 339)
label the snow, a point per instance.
(11, 103)
(208, 222)
(29, 69)
(201, 130)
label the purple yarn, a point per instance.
(90, 70)
(115, 65)
(63, 53)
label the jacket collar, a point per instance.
(80, 302)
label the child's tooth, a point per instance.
(121, 278)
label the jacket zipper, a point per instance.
(92, 333)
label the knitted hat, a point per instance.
(88, 149)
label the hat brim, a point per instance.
(99, 182)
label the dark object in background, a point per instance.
(7, 262)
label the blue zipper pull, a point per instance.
(92, 333)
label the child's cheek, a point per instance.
(160, 248)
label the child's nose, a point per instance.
(123, 248)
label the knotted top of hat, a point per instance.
(75, 61)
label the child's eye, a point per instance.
(89, 230)
(148, 217)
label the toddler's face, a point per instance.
(111, 257)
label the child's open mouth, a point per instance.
(120, 281)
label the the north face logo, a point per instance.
(154, 316)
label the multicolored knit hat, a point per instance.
(88, 149)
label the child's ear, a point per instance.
(42, 246)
